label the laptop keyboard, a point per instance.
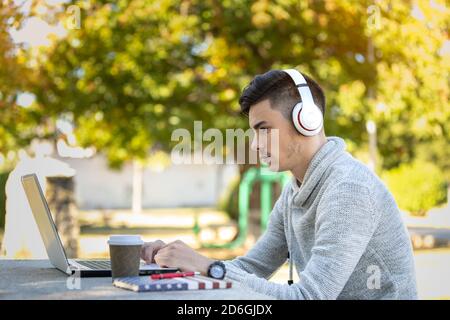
(96, 264)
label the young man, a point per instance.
(336, 220)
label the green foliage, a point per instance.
(138, 69)
(17, 125)
(131, 75)
(417, 187)
(402, 84)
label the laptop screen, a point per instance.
(45, 223)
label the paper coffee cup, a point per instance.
(125, 253)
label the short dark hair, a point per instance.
(278, 87)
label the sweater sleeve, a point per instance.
(345, 223)
(269, 252)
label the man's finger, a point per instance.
(148, 257)
(147, 253)
(143, 250)
(150, 249)
(162, 260)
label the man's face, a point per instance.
(276, 140)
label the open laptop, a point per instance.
(53, 244)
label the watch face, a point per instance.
(217, 272)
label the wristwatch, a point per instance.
(217, 270)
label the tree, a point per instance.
(17, 124)
(129, 76)
(136, 70)
(330, 40)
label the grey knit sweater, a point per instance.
(343, 231)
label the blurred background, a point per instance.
(91, 92)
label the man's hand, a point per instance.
(179, 255)
(150, 249)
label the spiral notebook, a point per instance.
(145, 283)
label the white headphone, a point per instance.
(307, 117)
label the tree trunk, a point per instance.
(448, 194)
(137, 187)
(61, 201)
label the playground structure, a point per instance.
(267, 179)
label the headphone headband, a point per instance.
(302, 86)
(306, 116)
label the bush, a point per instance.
(417, 187)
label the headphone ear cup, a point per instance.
(307, 121)
(311, 118)
(296, 117)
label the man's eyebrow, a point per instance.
(259, 124)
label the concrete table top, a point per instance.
(37, 279)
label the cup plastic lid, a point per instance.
(125, 240)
